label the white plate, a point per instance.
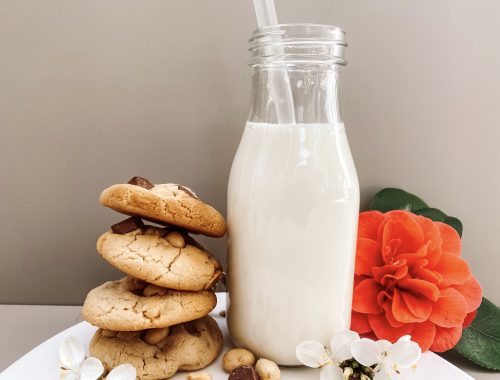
(43, 361)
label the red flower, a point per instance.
(410, 279)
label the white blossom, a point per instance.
(74, 364)
(315, 355)
(76, 367)
(388, 358)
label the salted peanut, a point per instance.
(267, 370)
(199, 376)
(155, 336)
(153, 290)
(176, 239)
(237, 357)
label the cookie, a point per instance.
(167, 204)
(160, 256)
(131, 304)
(188, 347)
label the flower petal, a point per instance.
(71, 353)
(384, 330)
(366, 352)
(469, 318)
(403, 226)
(419, 306)
(446, 338)
(428, 275)
(404, 353)
(390, 249)
(331, 372)
(423, 333)
(472, 292)
(402, 312)
(123, 372)
(359, 323)
(450, 240)
(340, 345)
(383, 344)
(454, 270)
(432, 239)
(367, 256)
(365, 297)
(417, 286)
(386, 374)
(312, 354)
(68, 374)
(369, 223)
(387, 306)
(450, 309)
(396, 270)
(91, 369)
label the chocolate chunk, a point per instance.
(128, 225)
(191, 328)
(190, 193)
(245, 372)
(142, 182)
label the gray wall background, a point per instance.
(93, 92)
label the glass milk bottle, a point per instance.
(293, 197)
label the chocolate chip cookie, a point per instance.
(167, 204)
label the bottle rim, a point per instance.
(297, 43)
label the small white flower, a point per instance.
(315, 355)
(389, 358)
(73, 362)
(122, 372)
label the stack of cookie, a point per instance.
(156, 317)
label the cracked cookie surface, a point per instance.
(122, 306)
(188, 347)
(165, 258)
(169, 204)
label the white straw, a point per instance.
(265, 12)
(280, 91)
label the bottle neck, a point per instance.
(314, 89)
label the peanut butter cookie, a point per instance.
(131, 304)
(168, 204)
(167, 258)
(187, 347)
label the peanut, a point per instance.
(153, 290)
(237, 357)
(199, 376)
(176, 239)
(155, 336)
(267, 370)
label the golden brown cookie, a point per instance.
(131, 304)
(166, 258)
(169, 204)
(188, 347)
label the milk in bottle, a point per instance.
(293, 201)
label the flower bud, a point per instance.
(347, 373)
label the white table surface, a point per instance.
(23, 327)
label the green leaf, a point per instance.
(480, 342)
(455, 223)
(396, 199)
(432, 213)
